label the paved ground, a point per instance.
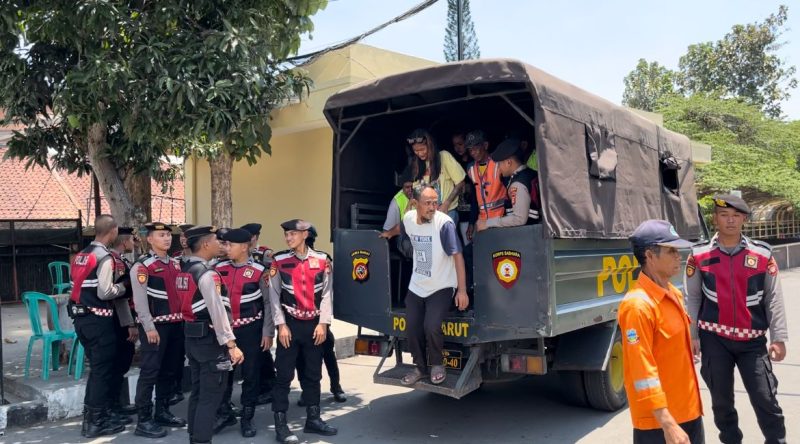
(529, 410)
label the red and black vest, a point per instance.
(83, 274)
(301, 282)
(162, 298)
(193, 306)
(122, 273)
(733, 304)
(530, 179)
(243, 290)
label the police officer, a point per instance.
(158, 308)
(210, 343)
(734, 296)
(267, 377)
(127, 333)
(246, 282)
(658, 367)
(300, 294)
(93, 277)
(184, 251)
(328, 352)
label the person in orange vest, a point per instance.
(657, 360)
(490, 192)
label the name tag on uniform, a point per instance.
(313, 262)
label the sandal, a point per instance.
(411, 378)
(438, 374)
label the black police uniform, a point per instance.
(123, 319)
(206, 329)
(92, 274)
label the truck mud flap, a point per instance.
(457, 385)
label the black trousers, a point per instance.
(160, 363)
(692, 428)
(122, 363)
(301, 347)
(424, 318)
(248, 339)
(719, 356)
(210, 365)
(99, 339)
(329, 358)
(267, 379)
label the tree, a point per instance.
(117, 85)
(470, 39)
(742, 64)
(750, 151)
(647, 85)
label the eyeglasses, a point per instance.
(413, 140)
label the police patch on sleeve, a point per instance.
(141, 277)
(691, 266)
(632, 336)
(273, 270)
(772, 267)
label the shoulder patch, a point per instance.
(772, 267)
(691, 266)
(632, 336)
(273, 269)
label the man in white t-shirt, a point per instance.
(438, 274)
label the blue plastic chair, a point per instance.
(59, 277)
(48, 337)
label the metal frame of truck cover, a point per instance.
(599, 176)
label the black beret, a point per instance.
(185, 227)
(254, 229)
(731, 201)
(201, 230)
(237, 236)
(476, 137)
(124, 230)
(221, 232)
(296, 225)
(155, 226)
(506, 149)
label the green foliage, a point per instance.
(471, 49)
(742, 64)
(647, 85)
(158, 74)
(750, 151)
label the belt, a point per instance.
(241, 322)
(303, 315)
(744, 333)
(172, 317)
(104, 312)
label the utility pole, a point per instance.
(460, 5)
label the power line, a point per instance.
(306, 58)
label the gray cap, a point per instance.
(657, 232)
(474, 138)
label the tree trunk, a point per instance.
(221, 197)
(118, 198)
(138, 187)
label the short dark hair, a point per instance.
(122, 238)
(104, 224)
(194, 242)
(639, 252)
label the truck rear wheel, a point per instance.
(572, 387)
(605, 390)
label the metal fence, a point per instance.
(27, 246)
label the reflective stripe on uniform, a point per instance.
(644, 384)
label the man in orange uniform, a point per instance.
(660, 380)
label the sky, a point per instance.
(592, 44)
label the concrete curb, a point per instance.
(55, 401)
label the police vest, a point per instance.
(489, 190)
(401, 200)
(733, 289)
(301, 282)
(530, 179)
(83, 274)
(162, 298)
(244, 291)
(193, 306)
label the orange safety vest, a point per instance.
(657, 360)
(489, 190)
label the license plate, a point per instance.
(452, 359)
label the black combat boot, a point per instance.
(146, 426)
(315, 424)
(282, 433)
(117, 418)
(96, 423)
(338, 393)
(235, 411)
(246, 423)
(264, 398)
(164, 417)
(224, 418)
(126, 410)
(176, 397)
